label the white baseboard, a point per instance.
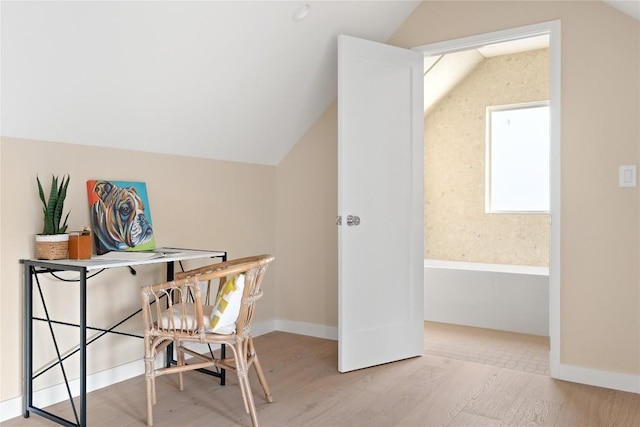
(594, 377)
(10, 408)
(309, 329)
(58, 393)
(300, 328)
(13, 407)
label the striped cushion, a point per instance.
(227, 306)
(219, 318)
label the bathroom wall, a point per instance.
(456, 225)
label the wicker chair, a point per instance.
(177, 312)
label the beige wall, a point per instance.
(456, 225)
(194, 203)
(307, 239)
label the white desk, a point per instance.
(34, 267)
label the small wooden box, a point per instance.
(79, 245)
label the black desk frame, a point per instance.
(32, 268)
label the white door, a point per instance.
(380, 180)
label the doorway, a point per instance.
(551, 32)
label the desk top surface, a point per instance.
(125, 259)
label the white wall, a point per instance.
(494, 296)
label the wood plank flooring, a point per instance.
(309, 391)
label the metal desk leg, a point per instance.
(168, 355)
(83, 348)
(223, 348)
(27, 350)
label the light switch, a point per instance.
(627, 176)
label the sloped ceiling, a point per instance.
(630, 7)
(442, 73)
(230, 80)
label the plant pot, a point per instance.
(52, 246)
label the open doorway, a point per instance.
(483, 250)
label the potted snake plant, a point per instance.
(53, 242)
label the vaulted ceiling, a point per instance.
(230, 80)
(630, 7)
(442, 73)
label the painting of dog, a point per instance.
(120, 216)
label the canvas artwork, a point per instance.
(120, 216)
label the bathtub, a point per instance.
(495, 296)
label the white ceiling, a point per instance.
(444, 72)
(226, 80)
(630, 7)
(231, 80)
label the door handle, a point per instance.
(353, 220)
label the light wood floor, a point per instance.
(309, 391)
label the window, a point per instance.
(517, 158)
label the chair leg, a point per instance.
(149, 373)
(180, 362)
(242, 370)
(252, 406)
(253, 357)
(150, 401)
(153, 389)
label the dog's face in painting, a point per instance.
(120, 214)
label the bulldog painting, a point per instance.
(120, 216)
